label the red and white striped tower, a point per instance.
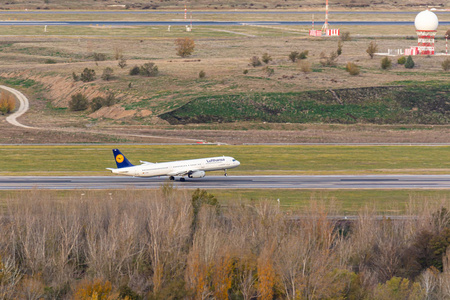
(325, 24)
(426, 23)
(446, 45)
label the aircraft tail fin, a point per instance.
(121, 160)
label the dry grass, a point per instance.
(205, 4)
(222, 54)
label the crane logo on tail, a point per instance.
(119, 158)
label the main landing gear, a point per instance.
(182, 179)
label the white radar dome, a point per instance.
(426, 20)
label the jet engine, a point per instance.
(197, 174)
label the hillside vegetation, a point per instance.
(425, 103)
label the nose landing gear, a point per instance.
(225, 173)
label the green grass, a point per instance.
(257, 160)
(26, 83)
(344, 201)
(423, 103)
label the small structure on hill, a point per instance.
(325, 31)
(426, 24)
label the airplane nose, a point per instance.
(238, 163)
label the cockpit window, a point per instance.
(234, 160)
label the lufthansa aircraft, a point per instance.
(193, 168)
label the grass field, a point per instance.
(343, 202)
(257, 160)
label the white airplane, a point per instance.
(192, 168)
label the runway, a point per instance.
(202, 23)
(230, 182)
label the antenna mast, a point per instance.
(325, 25)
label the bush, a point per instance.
(303, 54)
(201, 74)
(122, 63)
(255, 62)
(372, 49)
(93, 289)
(99, 56)
(135, 71)
(305, 66)
(446, 64)
(266, 58)
(339, 49)
(293, 56)
(269, 71)
(107, 74)
(78, 103)
(149, 70)
(345, 36)
(87, 75)
(118, 53)
(409, 63)
(97, 103)
(328, 60)
(352, 68)
(401, 60)
(50, 61)
(7, 103)
(386, 63)
(184, 46)
(245, 72)
(110, 100)
(75, 76)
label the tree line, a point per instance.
(172, 244)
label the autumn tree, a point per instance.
(372, 49)
(185, 46)
(266, 276)
(7, 103)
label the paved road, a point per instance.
(232, 182)
(23, 107)
(200, 23)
